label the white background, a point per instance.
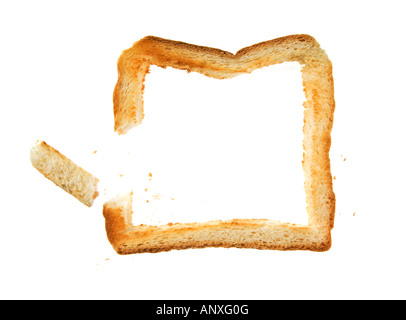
(57, 74)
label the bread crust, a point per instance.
(64, 172)
(318, 84)
(238, 233)
(133, 65)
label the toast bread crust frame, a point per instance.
(319, 105)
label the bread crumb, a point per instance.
(147, 201)
(94, 151)
(156, 196)
(334, 177)
(146, 189)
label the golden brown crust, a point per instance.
(185, 46)
(319, 107)
(239, 233)
(133, 65)
(64, 172)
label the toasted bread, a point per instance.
(239, 233)
(133, 65)
(64, 172)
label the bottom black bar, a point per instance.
(201, 309)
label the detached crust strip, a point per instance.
(64, 173)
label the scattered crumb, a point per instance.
(146, 189)
(121, 175)
(353, 214)
(107, 259)
(156, 196)
(94, 151)
(345, 159)
(172, 198)
(147, 201)
(334, 177)
(150, 175)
